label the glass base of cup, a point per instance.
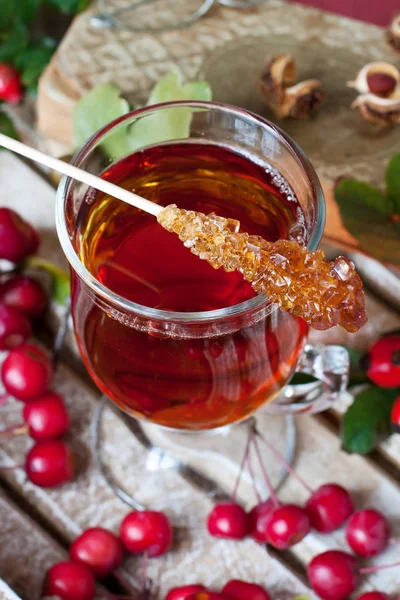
(209, 460)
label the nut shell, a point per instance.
(393, 33)
(383, 111)
(379, 78)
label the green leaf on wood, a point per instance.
(367, 419)
(366, 213)
(393, 182)
(7, 127)
(172, 123)
(97, 108)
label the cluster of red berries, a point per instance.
(333, 575)
(10, 84)
(97, 553)
(27, 370)
(382, 366)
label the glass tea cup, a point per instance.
(197, 370)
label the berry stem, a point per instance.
(15, 430)
(267, 480)
(242, 465)
(285, 464)
(367, 570)
(13, 468)
(253, 478)
(147, 583)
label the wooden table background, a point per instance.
(38, 525)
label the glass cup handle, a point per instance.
(330, 366)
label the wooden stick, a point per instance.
(91, 180)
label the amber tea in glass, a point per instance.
(164, 335)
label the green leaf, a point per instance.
(104, 104)
(12, 11)
(35, 60)
(173, 123)
(7, 127)
(60, 287)
(357, 374)
(60, 280)
(97, 108)
(367, 419)
(69, 6)
(366, 215)
(393, 182)
(358, 196)
(13, 42)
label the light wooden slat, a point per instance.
(26, 553)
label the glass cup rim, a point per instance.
(254, 304)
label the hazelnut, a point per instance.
(379, 78)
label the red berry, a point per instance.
(24, 293)
(70, 581)
(287, 525)
(10, 84)
(17, 238)
(368, 532)
(373, 596)
(26, 372)
(329, 507)
(184, 592)
(205, 595)
(146, 531)
(395, 415)
(14, 327)
(98, 549)
(384, 362)
(228, 520)
(259, 517)
(50, 463)
(238, 590)
(47, 417)
(333, 575)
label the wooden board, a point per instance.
(89, 501)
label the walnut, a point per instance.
(285, 97)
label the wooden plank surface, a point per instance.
(89, 501)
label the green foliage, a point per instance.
(7, 127)
(17, 46)
(372, 217)
(104, 104)
(368, 419)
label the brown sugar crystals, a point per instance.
(300, 281)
